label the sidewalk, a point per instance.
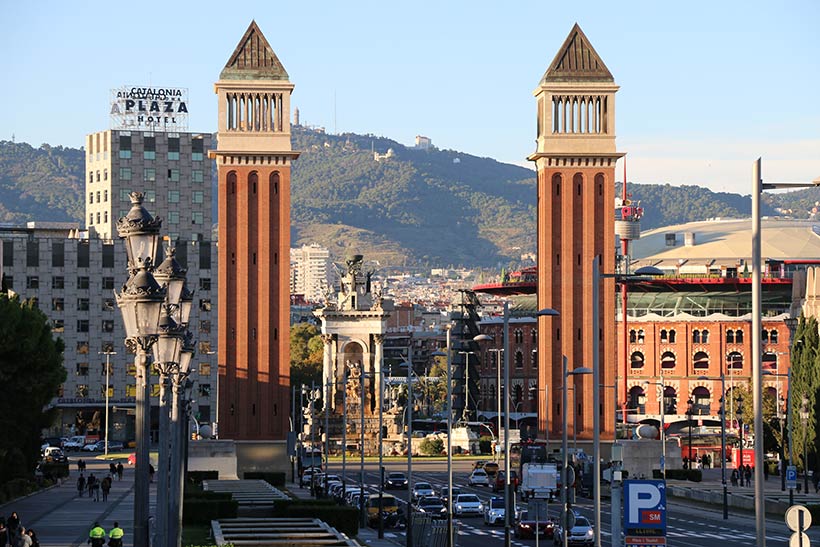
(710, 491)
(63, 519)
(367, 536)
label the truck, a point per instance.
(539, 480)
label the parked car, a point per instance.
(478, 478)
(54, 454)
(494, 511)
(307, 474)
(580, 534)
(115, 445)
(98, 446)
(525, 527)
(491, 468)
(432, 506)
(395, 479)
(498, 483)
(76, 443)
(421, 489)
(466, 504)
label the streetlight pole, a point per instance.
(108, 354)
(141, 300)
(722, 441)
(498, 394)
(804, 419)
(410, 440)
(564, 448)
(508, 502)
(758, 186)
(660, 383)
(381, 450)
(689, 412)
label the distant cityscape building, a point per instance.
(423, 143)
(310, 272)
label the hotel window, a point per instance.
(150, 196)
(32, 254)
(58, 282)
(125, 173)
(98, 197)
(105, 216)
(130, 390)
(204, 369)
(150, 148)
(108, 283)
(82, 347)
(150, 174)
(57, 325)
(173, 148)
(173, 217)
(205, 390)
(173, 196)
(173, 175)
(32, 282)
(98, 218)
(124, 195)
(204, 283)
(82, 304)
(196, 175)
(82, 391)
(58, 254)
(125, 146)
(108, 304)
(197, 150)
(82, 325)
(205, 304)
(57, 304)
(199, 197)
(108, 325)
(197, 218)
(82, 282)
(82, 369)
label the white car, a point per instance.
(74, 443)
(581, 534)
(94, 447)
(479, 478)
(422, 489)
(494, 511)
(466, 504)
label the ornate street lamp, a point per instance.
(179, 436)
(804, 419)
(689, 411)
(141, 302)
(739, 415)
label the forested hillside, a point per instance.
(414, 207)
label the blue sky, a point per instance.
(706, 87)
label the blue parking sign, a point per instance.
(791, 477)
(645, 505)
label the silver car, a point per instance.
(466, 504)
(422, 489)
(479, 477)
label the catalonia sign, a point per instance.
(149, 108)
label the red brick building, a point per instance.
(253, 160)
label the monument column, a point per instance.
(328, 369)
(378, 364)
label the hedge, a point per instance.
(201, 510)
(206, 495)
(17, 488)
(694, 475)
(54, 470)
(276, 479)
(282, 506)
(343, 519)
(199, 476)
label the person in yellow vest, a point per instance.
(96, 537)
(115, 536)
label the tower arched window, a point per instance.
(637, 400)
(668, 360)
(769, 361)
(636, 360)
(764, 336)
(633, 336)
(773, 336)
(519, 359)
(738, 336)
(670, 400)
(704, 336)
(734, 360)
(696, 336)
(702, 400)
(641, 336)
(671, 336)
(730, 336)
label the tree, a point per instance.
(306, 354)
(805, 382)
(31, 371)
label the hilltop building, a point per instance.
(575, 159)
(253, 160)
(423, 143)
(310, 272)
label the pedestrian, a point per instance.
(24, 540)
(96, 537)
(89, 484)
(734, 477)
(35, 542)
(4, 533)
(81, 465)
(106, 487)
(95, 489)
(115, 535)
(748, 474)
(14, 527)
(112, 468)
(119, 471)
(81, 484)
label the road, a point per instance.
(688, 525)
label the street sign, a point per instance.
(645, 507)
(538, 510)
(791, 477)
(799, 539)
(639, 541)
(793, 518)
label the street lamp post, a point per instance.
(660, 383)
(722, 441)
(739, 416)
(141, 300)
(498, 367)
(410, 440)
(689, 413)
(804, 419)
(564, 448)
(108, 354)
(758, 186)
(446, 354)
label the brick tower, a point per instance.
(253, 159)
(575, 160)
